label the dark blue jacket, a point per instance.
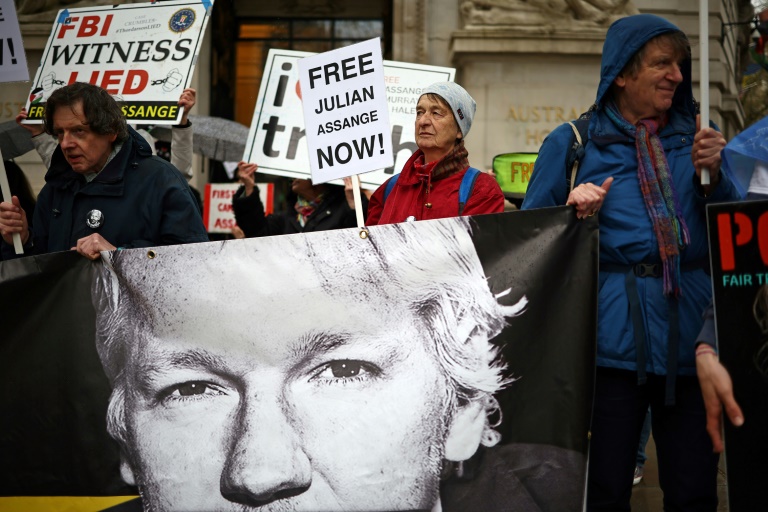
(626, 232)
(144, 200)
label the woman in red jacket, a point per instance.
(428, 186)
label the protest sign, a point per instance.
(143, 54)
(13, 60)
(738, 240)
(218, 215)
(277, 136)
(345, 111)
(513, 172)
(273, 356)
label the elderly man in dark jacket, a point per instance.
(104, 190)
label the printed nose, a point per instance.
(266, 462)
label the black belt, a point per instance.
(655, 270)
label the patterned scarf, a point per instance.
(306, 208)
(455, 161)
(659, 194)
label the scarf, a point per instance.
(659, 194)
(455, 161)
(306, 208)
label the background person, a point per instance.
(332, 400)
(653, 254)
(428, 186)
(318, 208)
(102, 165)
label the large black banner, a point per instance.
(738, 239)
(441, 363)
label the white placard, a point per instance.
(277, 138)
(218, 215)
(345, 111)
(13, 61)
(143, 54)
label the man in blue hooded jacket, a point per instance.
(644, 144)
(104, 189)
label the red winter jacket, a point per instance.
(407, 198)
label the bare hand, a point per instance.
(707, 150)
(349, 192)
(13, 219)
(92, 245)
(717, 391)
(588, 198)
(33, 129)
(187, 100)
(237, 232)
(246, 174)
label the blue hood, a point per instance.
(624, 39)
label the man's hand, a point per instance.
(588, 198)
(187, 100)
(717, 390)
(92, 245)
(706, 152)
(33, 129)
(238, 233)
(13, 219)
(246, 174)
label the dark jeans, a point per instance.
(687, 466)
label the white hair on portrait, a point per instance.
(431, 268)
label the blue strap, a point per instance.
(467, 184)
(390, 185)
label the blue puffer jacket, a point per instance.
(626, 233)
(145, 202)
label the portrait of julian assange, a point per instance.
(319, 372)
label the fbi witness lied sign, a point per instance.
(345, 111)
(144, 54)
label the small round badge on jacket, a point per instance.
(94, 219)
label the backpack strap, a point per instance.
(575, 153)
(390, 185)
(465, 189)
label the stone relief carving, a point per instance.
(562, 13)
(42, 11)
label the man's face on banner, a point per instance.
(277, 393)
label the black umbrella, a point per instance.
(14, 140)
(213, 137)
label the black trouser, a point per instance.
(687, 466)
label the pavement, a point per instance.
(647, 495)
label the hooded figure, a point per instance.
(428, 186)
(653, 258)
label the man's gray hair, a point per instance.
(430, 267)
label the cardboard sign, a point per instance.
(218, 215)
(277, 138)
(513, 172)
(345, 111)
(13, 61)
(143, 54)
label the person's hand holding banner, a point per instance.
(6, 190)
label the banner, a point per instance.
(439, 363)
(738, 245)
(13, 60)
(218, 215)
(143, 54)
(277, 138)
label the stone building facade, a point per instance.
(530, 64)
